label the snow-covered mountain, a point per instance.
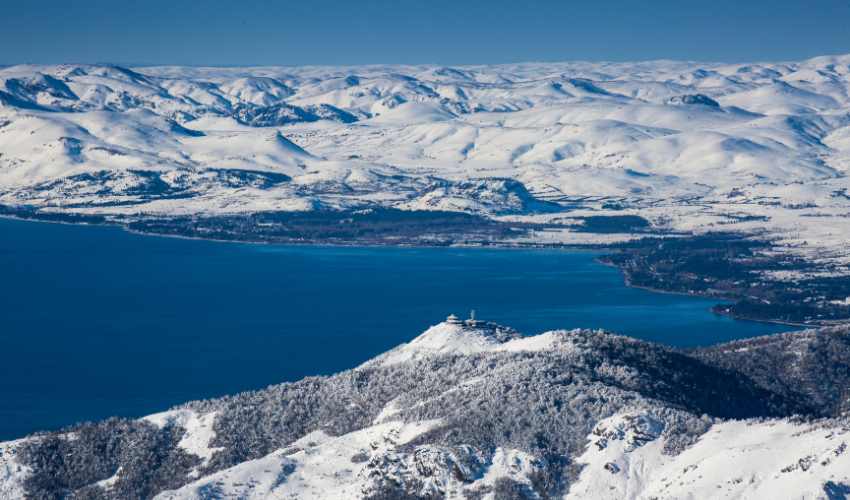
(476, 410)
(690, 146)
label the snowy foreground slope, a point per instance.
(696, 147)
(477, 410)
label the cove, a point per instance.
(96, 321)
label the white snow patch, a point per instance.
(734, 459)
(507, 463)
(331, 469)
(557, 340)
(109, 482)
(199, 430)
(443, 338)
(12, 473)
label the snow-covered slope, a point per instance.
(474, 409)
(684, 144)
(625, 459)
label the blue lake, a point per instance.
(95, 321)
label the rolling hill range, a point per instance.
(689, 146)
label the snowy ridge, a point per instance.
(471, 408)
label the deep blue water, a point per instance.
(95, 321)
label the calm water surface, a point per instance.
(95, 321)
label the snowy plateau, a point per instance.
(476, 410)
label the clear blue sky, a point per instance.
(217, 32)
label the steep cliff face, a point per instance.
(476, 410)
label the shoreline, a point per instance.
(501, 245)
(629, 284)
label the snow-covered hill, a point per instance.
(475, 410)
(689, 146)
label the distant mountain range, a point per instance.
(691, 147)
(475, 410)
